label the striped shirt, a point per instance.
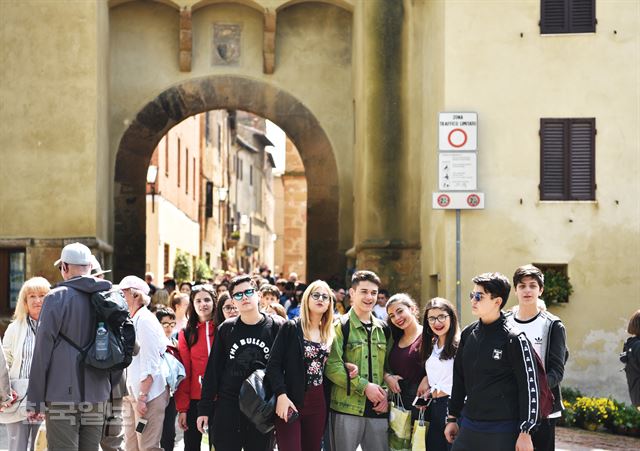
(27, 348)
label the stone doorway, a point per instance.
(324, 260)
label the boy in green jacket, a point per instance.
(359, 405)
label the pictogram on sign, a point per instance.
(473, 200)
(444, 200)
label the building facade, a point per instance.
(357, 85)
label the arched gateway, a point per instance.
(226, 92)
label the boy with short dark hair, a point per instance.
(494, 400)
(359, 405)
(547, 334)
(242, 345)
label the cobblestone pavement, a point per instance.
(573, 439)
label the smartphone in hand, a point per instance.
(421, 402)
(292, 415)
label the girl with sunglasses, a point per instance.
(295, 371)
(440, 338)
(195, 342)
(225, 309)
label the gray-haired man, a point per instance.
(72, 398)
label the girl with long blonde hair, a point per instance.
(295, 371)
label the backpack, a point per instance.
(345, 326)
(545, 396)
(110, 308)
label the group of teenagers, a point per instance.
(332, 375)
(333, 391)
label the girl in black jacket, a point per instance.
(295, 371)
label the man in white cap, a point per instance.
(148, 392)
(72, 398)
(96, 268)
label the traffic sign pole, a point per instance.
(458, 271)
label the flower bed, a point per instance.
(599, 413)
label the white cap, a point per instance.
(96, 268)
(134, 282)
(75, 254)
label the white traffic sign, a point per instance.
(457, 171)
(458, 201)
(458, 131)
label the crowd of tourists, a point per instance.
(346, 367)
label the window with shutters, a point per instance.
(567, 159)
(567, 16)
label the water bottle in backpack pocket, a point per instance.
(102, 342)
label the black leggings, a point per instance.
(192, 436)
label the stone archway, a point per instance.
(226, 92)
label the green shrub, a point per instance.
(570, 394)
(182, 267)
(202, 272)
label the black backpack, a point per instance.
(110, 308)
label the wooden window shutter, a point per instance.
(553, 16)
(553, 137)
(567, 16)
(582, 159)
(582, 16)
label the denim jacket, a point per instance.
(359, 351)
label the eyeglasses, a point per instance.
(476, 296)
(439, 318)
(316, 296)
(230, 308)
(248, 293)
(171, 324)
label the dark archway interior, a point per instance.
(324, 261)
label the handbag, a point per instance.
(399, 417)
(399, 425)
(420, 428)
(18, 410)
(256, 403)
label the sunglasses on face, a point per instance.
(316, 296)
(476, 296)
(248, 293)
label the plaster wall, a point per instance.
(52, 111)
(497, 63)
(313, 48)
(169, 225)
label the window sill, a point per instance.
(595, 202)
(569, 34)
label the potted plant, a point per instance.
(557, 286)
(594, 412)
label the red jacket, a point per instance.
(194, 360)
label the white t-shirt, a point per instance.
(534, 330)
(439, 372)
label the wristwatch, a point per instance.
(451, 420)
